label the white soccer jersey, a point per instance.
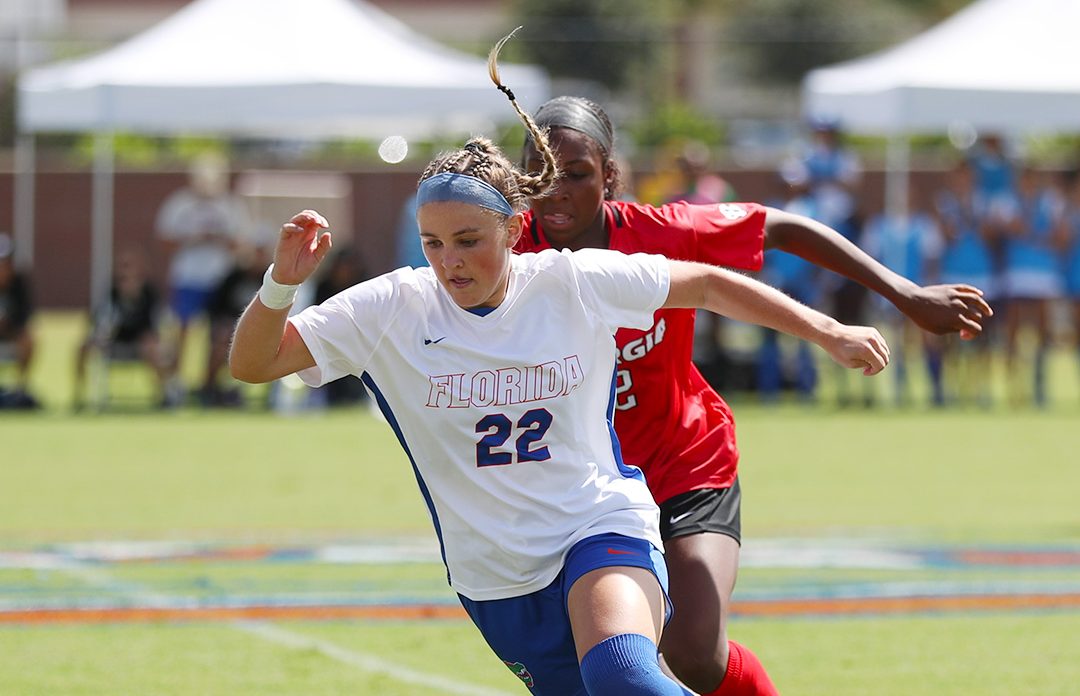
(505, 417)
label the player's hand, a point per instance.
(943, 309)
(859, 347)
(301, 246)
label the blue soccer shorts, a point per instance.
(187, 303)
(531, 634)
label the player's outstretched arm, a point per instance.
(745, 299)
(264, 345)
(939, 309)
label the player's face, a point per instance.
(573, 215)
(468, 247)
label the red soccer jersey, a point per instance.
(670, 422)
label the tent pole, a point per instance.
(101, 230)
(25, 163)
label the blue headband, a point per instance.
(450, 186)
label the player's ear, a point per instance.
(515, 225)
(609, 177)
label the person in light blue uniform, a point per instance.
(409, 251)
(963, 211)
(1032, 219)
(910, 244)
(1069, 244)
(834, 172)
(963, 214)
(834, 176)
(798, 278)
(994, 170)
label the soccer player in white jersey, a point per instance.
(496, 372)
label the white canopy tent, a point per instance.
(1003, 66)
(275, 68)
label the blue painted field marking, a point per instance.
(1004, 571)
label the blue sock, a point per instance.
(626, 665)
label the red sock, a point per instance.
(745, 675)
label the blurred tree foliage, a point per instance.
(615, 42)
(783, 39)
(636, 49)
(676, 121)
(600, 40)
(144, 151)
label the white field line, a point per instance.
(367, 663)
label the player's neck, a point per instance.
(597, 235)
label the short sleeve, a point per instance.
(731, 234)
(622, 289)
(720, 234)
(343, 332)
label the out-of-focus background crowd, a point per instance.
(152, 240)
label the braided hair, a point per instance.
(481, 158)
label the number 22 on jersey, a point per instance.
(530, 430)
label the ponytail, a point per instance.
(481, 158)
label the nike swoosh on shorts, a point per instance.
(675, 519)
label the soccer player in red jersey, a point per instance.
(671, 423)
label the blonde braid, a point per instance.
(538, 185)
(481, 158)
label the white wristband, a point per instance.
(273, 294)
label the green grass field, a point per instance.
(74, 488)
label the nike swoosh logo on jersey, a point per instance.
(675, 519)
(428, 341)
(620, 552)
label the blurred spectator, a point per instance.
(1030, 222)
(345, 269)
(698, 185)
(994, 169)
(1069, 243)
(16, 338)
(910, 244)
(800, 279)
(199, 225)
(125, 329)
(835, 174)
(963, 214)
(697, 182)
(410, 252)
(681, 171)
(228, 301)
